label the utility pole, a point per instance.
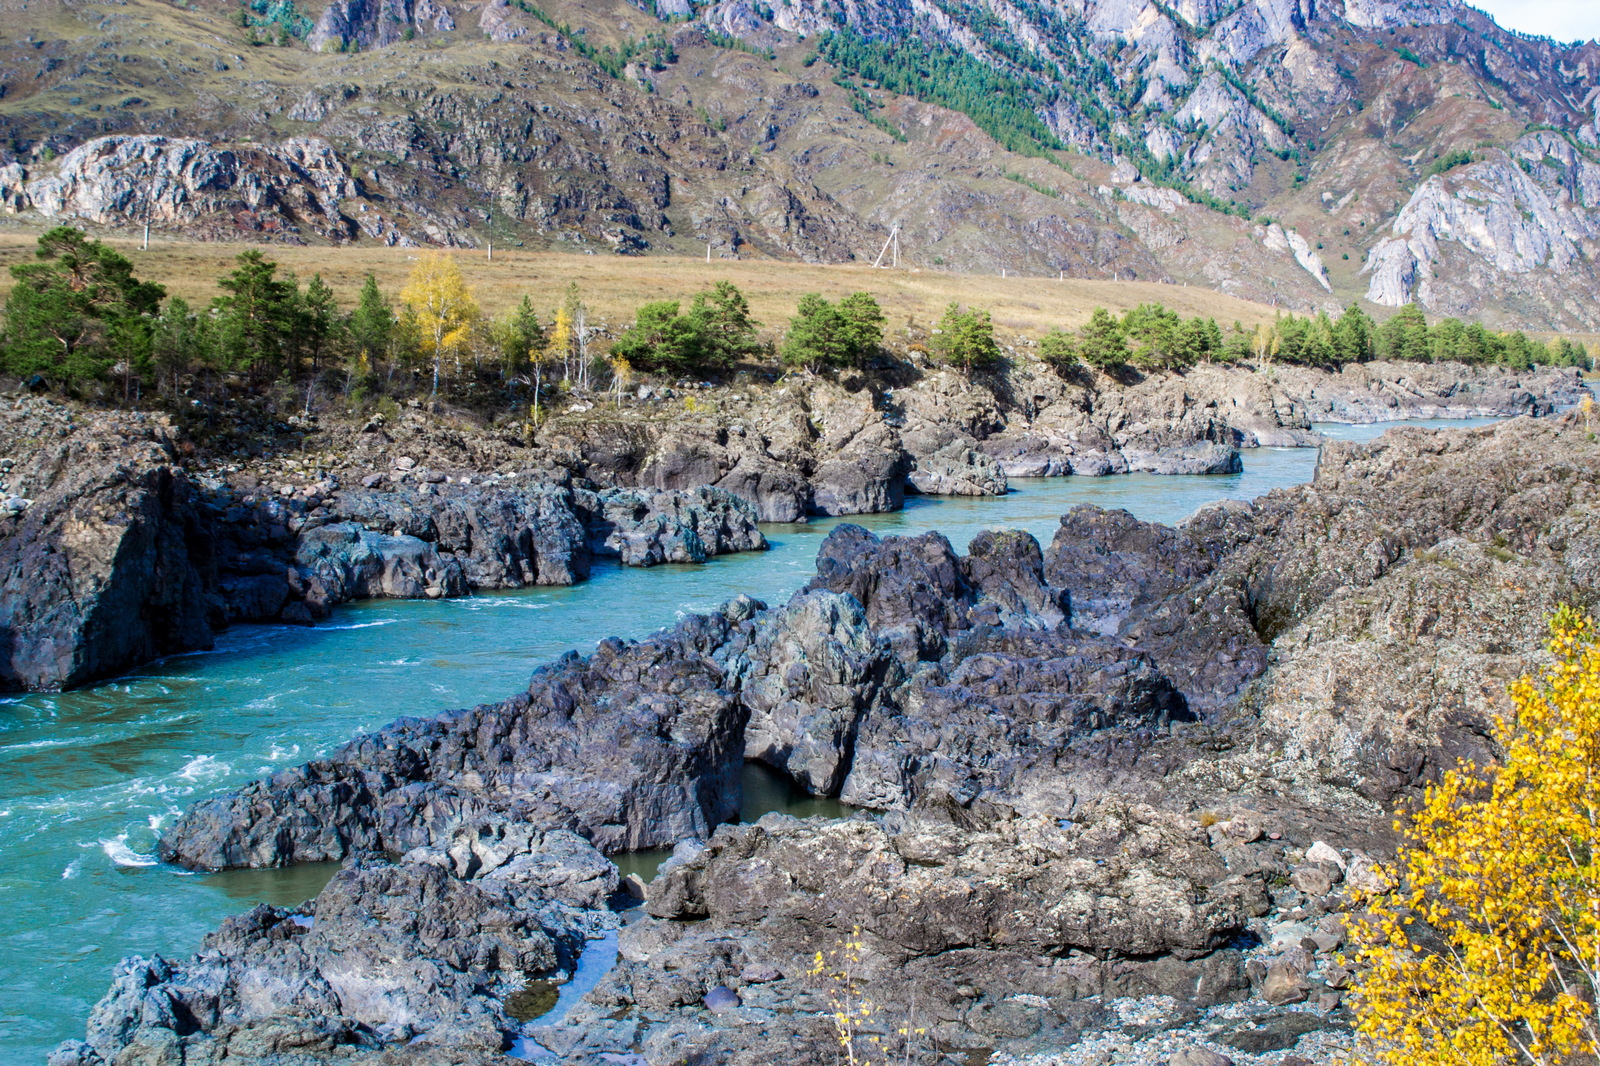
(146, 246)
(491, 249)
(894, 242)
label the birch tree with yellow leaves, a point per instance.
(443, 308)
(1490, 953)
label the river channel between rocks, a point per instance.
(89, 778)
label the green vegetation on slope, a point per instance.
(999, 103)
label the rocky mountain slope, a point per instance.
(1095, 825)
(1300, 153)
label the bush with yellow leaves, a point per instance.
(865, 1032)
(1490, 954)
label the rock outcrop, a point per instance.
(295, 187)
(1521, 218)
(113, 554)
(637, 746)
(428, 951)
(98, 550)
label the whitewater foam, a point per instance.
(118, 851)
(203, 767)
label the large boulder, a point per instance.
(807, 674)
(688, 526)
(957, 469)
(353, 563)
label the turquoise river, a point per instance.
(89, 778)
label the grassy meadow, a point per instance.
(614, 286)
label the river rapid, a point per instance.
(88, 779)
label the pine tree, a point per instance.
(966, 339)
(727, 331)
(318, 320)
(256, 318)
(662, 340)
(371, 326)
(178, 342)
(864, 321)
(1060, 350)
(1405, 335)
(73, 307)
(1353, 336)
(1101, 341)
(819, 336)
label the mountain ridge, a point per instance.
(1295, 153)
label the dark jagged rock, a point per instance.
(805, 678)
(421, 951)
(347, 562)
(1055, 825)
(1154, 587)
(912, 588)
(99, 571)
(948, 928)
(998, 717)
(957, 469)
(114, 555)
(637, 746)
(688, 526)
(503, 538)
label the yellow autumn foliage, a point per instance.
(1490, 954)
(438, 298)
(558, 345)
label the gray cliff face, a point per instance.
(376, 23)
(297, 186)
(1523, 218)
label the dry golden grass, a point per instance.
(614, 286)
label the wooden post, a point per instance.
(708, 251)
(146, 246)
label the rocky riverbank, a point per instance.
(116, 547)
(818, 446)
(1121, 787)
(126, 537)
